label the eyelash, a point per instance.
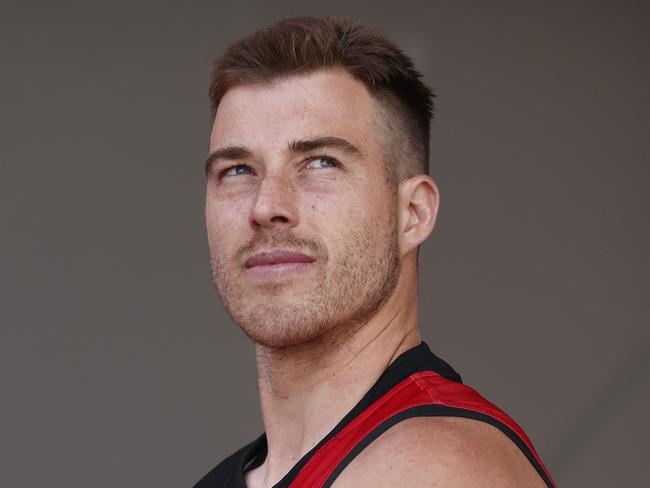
(336, 164)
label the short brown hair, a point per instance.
(304, 44)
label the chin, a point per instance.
(276, 328)
(300, 325)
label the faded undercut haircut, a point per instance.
(307, 44)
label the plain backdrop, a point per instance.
(118, 364)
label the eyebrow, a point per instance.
(228, 152)
(303, 146)
(298, 146)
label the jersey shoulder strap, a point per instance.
(422, 393)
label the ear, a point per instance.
(418, 201)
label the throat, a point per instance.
(303, 400)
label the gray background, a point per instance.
(118, 366)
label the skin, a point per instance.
(326, 329)
(445, 452)
(299, 203)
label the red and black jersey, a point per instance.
(416, 384)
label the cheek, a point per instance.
(226, 222)
(342, 218)
(327, 210)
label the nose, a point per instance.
(275, 203)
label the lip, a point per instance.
(276, 258)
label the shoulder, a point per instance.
(441, 451)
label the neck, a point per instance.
(305, 391)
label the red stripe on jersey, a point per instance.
(423, 388)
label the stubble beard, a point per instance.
(330, 308)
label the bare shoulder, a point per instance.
(441, 452)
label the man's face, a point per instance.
(300, 217)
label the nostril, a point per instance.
(279, 218)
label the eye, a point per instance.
(322, 162)
(236, 170)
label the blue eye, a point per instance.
(238, 169)
(322, 162)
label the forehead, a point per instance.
(324, 103)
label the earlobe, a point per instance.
(419, 200)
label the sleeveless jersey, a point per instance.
(416, 384)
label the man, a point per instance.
(318, 197)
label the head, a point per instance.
(317, 185)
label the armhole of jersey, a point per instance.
(436, 411)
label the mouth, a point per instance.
(277, 263)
